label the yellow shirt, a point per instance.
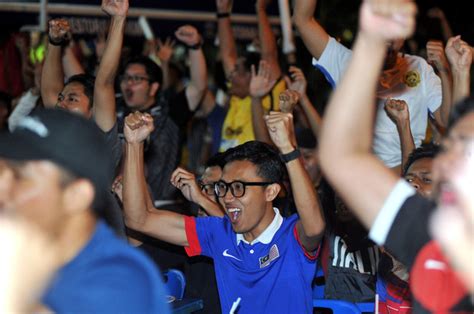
(238, 128)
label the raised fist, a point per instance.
(59, 32)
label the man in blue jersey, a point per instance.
(260, 257)
(55, 173)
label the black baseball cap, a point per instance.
(66, 139)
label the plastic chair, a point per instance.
(175, 282)
(337, 306)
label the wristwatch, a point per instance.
(295, 154)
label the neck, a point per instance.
(262, 225)
(74, 234)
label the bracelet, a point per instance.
(295, 154)
(60, 43)
(222, 15)
(197, 45)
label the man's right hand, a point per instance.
(59, 31)
(224, 6)
(138, 126)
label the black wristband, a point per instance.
(60, 43)
(223, 15)
(295, 154)
(196, 46)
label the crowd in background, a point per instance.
(223, 160)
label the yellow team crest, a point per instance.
(412, 78)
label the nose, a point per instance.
(228, 197)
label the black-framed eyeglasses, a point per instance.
(134, 79)
(237, 188)
(207, 188)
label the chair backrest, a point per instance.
(175, 283)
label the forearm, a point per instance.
(268, 46)
(314, 36)
(446, 29)
(134, 192)
(442, 114)
(198, 84)
(52, 76)
(406, 141)
(104, 92)
(227, 48)
(312, 115)
(461, 81)
(165, 68)
(70, 63)
(258, 124)
(307, 205)
(210, 207)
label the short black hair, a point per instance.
(216, 160)
(153, 70)
(306, 139)
(87, 81)
(264, 156)
(429, 150)
(459, 110)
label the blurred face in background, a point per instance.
(137, 90)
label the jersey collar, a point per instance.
(267, 235)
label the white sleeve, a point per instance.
(333, 61)
(385, 218)
(26, 103)
(432, 88)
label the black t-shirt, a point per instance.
(171, 114)
(433, 283)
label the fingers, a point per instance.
(137, 119)
(181, 177)
(252, 71)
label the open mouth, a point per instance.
(234, 214)
(128, 94)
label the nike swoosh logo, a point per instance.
(434, 264)
(231, 256)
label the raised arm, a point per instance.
(227, 48)
(71, 65)
(346, 135)
(52, 77)
(459, 55)
(313, 34)
(260, 85)
(104, 91)
(138, 212)
(186, 182)
(198, 84)
(437, 58)
(268, 46)
(298, 83)
(398, 112)
(164, 53)
(437, 13)
(311, 224)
